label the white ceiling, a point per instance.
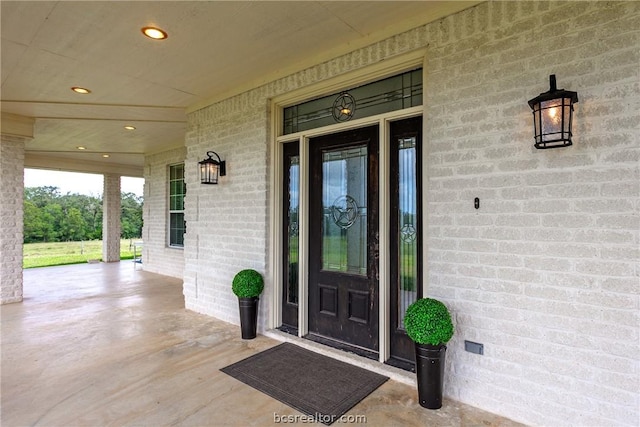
(214, 49)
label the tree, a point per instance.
(131, 216)
(51, 217)
(73, 226)
(41, 196)
(34, 226)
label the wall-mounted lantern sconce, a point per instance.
(553, 116)
(210, 169)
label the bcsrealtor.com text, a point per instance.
(318, 418)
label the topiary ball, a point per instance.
(247, 284)
(427, 321)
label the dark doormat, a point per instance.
(316, 385)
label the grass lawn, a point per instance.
(61, 253)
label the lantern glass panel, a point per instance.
(536, 123)
(551, 119)
(209, 172)
(214, 172)
(567, 116)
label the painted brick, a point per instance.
(578, 223)
(545, 273)
(157, 256)
(111, 223)
(11, 214)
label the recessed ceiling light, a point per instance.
(129, 127)
(154, 33)
(106, 156)
(81, 90)
(81, 147)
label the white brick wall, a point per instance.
(11, 218)
(157, 256)
(545, 273)
(111, 224)
(226, 223)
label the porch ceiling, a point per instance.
(214, 49)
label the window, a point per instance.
(390, 94)
(177, 191)
(290, 237)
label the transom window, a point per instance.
(393, 93)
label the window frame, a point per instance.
(170, 212)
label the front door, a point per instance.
(343, 239)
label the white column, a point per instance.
(111, 218)
(11, 219)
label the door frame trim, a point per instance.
(384, 340)
(303, 139)
(275, 274)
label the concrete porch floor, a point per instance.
(109, 345)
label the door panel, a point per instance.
(405, 233)
(343, 237)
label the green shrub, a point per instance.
(247, 284)
(427, 321)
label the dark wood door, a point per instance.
(343, 238)
(405, 226)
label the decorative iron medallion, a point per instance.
(343, 107)
(408, 233)
(344, 211)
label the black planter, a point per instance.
(430, 374)
(248, 317)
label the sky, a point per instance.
(80, 183)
